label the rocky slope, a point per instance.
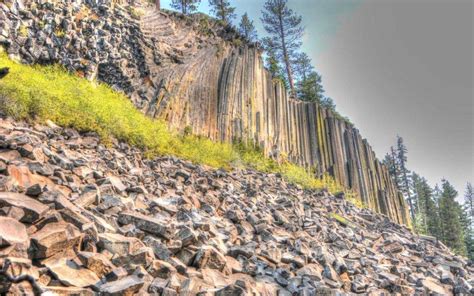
(193, 73)
(78, 218)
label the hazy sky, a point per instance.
(397, 67)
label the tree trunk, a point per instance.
(289, 71)
(407, 186)
(286, 58)
(157, 3)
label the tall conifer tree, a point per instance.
(450, 215)
(247, 28)
(391, 161)
(271, 61)
(308, 85)
(427, 209)
(469, 201)
(222, 10)
(468, 220)
(185, 6)
(328, 103)
(285, 28)
(467, 232)
(405, 181)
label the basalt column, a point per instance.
(250, 106)
(197, 75)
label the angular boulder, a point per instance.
(14, 240)
(119, 244)
(32, 208)
(70, 274)
(431, 287)
(12, 232)
(54, 238)
(126, 286)
(209, 257)
(96, 262)
(145, 223)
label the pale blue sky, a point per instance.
(396, 67)
(321, 17)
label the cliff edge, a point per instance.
(196, 75)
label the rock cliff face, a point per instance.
(192, 73)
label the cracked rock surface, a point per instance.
(80, 218)
(199, 76)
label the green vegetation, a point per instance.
(222, 10)
(285, 33)
(186, 6)
(247, 29)
(60, 33)
(23, 31)
(354, 199)
(135, 13)
(50, 93)
(340, 219)
(205, 25)
(308, 84)
(435, 211)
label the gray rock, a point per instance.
(34, 190)
(32, 209)
(249, 232)
(144, 223)
(126, 286)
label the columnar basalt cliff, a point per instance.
(196, 74)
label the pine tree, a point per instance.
(450, 216)
(185, 6)
(469, 201)
(467, 230)
(420, 222)
(302, 66)
(405, 181)
(222, 10)
(271, 60)
(437, 194)
(308, 86)
(392, 164)
(328, 103)
(427, 214)
(247, 28)
(468, 220)
(437, 231)
(284, 27)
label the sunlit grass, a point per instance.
(50, 93)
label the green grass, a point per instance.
(340, 219)
(43, 93)
(23, 31)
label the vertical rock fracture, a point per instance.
(197, 74)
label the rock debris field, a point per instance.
(80, 218)
(200, 76)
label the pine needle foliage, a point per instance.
(285, 28)
(186, 6)
(222, 10)
(247, 28)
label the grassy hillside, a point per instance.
(50, 93)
